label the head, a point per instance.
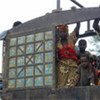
(63, 30)
(16, 23)
(84, 61)
(82, 45)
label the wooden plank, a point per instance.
(60, 17)
(76, 93)
(88, 33)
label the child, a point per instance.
(85, 71)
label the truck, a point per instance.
(29, 59)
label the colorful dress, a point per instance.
(67, 64)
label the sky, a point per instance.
(25, 10)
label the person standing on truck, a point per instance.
(86, 72)
(67, 58)
(82, 44)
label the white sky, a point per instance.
(24, 10)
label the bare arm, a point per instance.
(95, 25)
(74, 35)
(76, 30)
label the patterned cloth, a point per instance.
(67, 76)
(67, 66)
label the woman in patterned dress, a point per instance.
(67, 58)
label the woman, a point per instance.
(67, 58)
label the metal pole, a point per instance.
(77, 3)
(58, 4)
(88, 25)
